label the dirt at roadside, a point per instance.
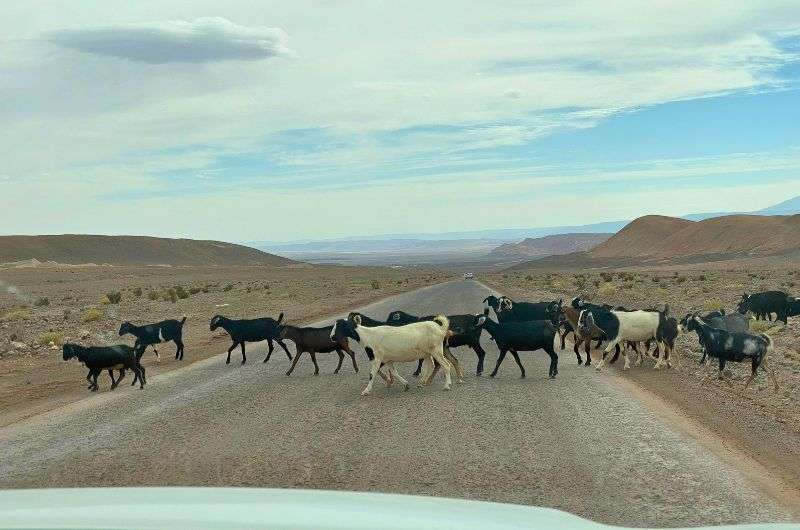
(36, 379)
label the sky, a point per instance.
(245, 121)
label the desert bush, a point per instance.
(655, 279)
(680, 279)
(596, 282)
(627, 286)
(558, 283)
(580, 282)
(137, 292)
(763, 326)
(114, 297)
(194, 290)
(67, 313)
(606, 276)
(713, 304)
(17, 314)
(42, 302)
(181, 293)
(529, 278)
(153, 295)
(170, 295)
(92, 315)
(702, 278)
(228, 287)
(375, 285)
(51, 336)
(607, 289)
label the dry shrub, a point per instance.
(114, 297)
(713, 304)
(55, 337)
(42, 302)
(92, 315)
(607, 289)
(17, 314)
(153, 295)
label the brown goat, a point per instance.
(571, 315)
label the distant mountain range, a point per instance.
(531, 248)
(129, 250)
(659, 239)
(480, 245)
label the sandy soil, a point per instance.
(759, 423)
(36, 379)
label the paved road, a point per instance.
(581, 443)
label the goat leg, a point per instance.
(341, 359)
(269, 351)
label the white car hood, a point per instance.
(233, 508)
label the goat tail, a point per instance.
(183, 320)
(442, 320)
(280, 317)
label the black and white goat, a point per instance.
(152, 334)
(250, 330)
(734, 347)
(732, 323)
(624, 326)
(98, 358)
(388, 345)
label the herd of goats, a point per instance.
(519, 326)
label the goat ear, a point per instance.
(481, 320)
(357, 320)
(666, 309)
(486, 312)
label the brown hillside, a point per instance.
(735, 234)
(641, 237)
(548, 246)
(131, 250)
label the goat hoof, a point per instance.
(522, 376)
(364, 393)
(447, 388)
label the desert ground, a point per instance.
(593, 444)
(43, 307)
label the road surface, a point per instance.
(584, 443)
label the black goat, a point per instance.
(465, 332)
(734, 347)
(250, 330)
(368, 321)
(522, 336)
(508, 310)
(99, 358)
(732, 323)
(762, 305)
(314, 341)
(152, 334)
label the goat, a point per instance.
(314, 341)
(732, 323)
(581, 336)
(464, 332)
(508, 310)
(734, 347)
(99, 358)
(621, 326)
(762, 305)
(522, 336)
(152, 334)
(252, 330)
(388, 344)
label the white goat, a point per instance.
(390, 344)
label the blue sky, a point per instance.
(315, 120)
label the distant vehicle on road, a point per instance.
(468, 276)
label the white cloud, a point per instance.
(493, 75)
(206, 39)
